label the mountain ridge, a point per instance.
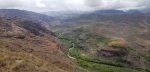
(28, 15)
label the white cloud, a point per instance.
(117, 4)
(83, 5)
(40, 4)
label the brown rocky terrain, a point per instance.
(26, 46)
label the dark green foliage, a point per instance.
(147, 70)
(95, 67)
(74, 52)
(103, 40)
(123, 52)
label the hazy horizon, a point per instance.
(73, 5)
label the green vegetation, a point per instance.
(80, 40)
(95, 67)
(74, 52)
(96, 64)
(103, 40)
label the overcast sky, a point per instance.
(76, 5)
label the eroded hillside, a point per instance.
(26, 46)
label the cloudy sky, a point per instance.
(76, 5)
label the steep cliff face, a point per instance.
(26, 46)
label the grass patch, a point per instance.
(94, 67)
(74, 52)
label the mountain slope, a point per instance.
(27, 15)
(109, 40)
(26, 46)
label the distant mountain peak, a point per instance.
(109, 11)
